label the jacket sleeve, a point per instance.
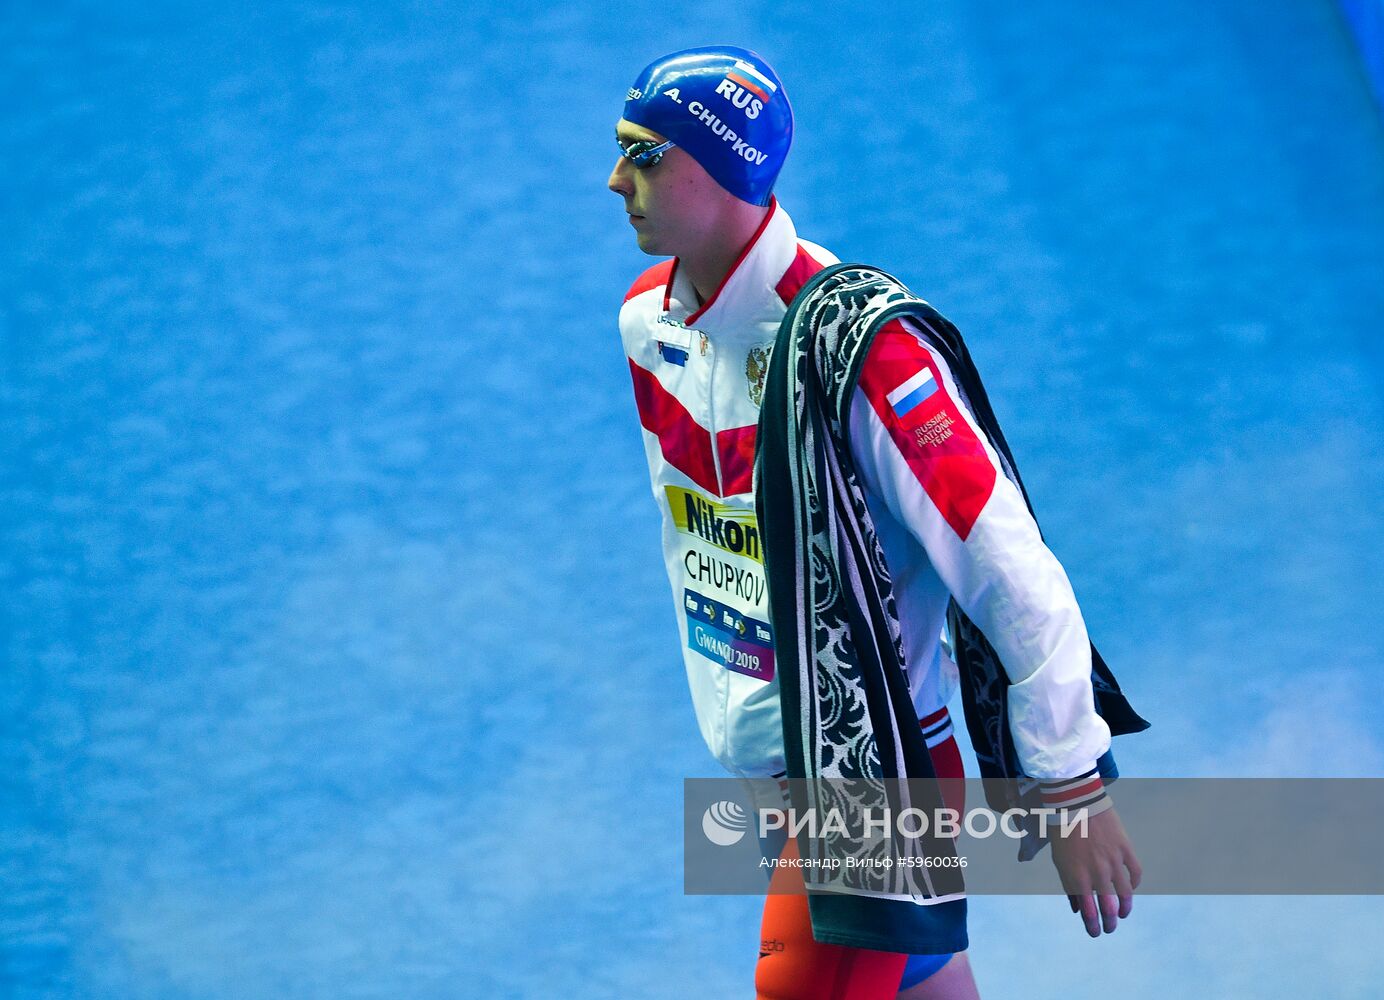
(919, 449)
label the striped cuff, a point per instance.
(937, 727)
(1085, 792)
(782, 779)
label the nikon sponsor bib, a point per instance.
(725, 599)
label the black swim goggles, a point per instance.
(645, 152)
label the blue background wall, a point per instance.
(327, 556)
(1366, 21)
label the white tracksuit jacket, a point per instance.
(949, 521)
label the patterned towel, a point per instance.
(847, 713)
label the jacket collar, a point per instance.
(747, 296)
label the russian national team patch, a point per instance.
(725, 636)
(903, 383)
(917, 389)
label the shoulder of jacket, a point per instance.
(655, 277)
(906, 332)
(817, 252)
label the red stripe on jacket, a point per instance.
(736, 449)
(946, 457)
(804, 266)
(685, 443)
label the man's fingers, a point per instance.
(1090, 915)
(1136, 871)
(1109, 912)
(1125, 891)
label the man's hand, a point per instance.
(1099, 871)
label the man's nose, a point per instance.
(620, 177)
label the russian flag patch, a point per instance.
(672, 355)
(912, 393)
(903, 383)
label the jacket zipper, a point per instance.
(711, 418)
(720, 488)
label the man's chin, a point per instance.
(649, 244)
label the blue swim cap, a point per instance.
(726, 107)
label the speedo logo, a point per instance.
(731, 529)
(738, 145)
